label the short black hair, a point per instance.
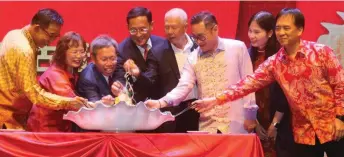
(139, 11)
(206, 17)
(299, 19)
(44, 17)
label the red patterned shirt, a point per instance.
(314, 85)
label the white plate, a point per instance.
(198, 132)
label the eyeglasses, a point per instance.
(82, 53)
(199, 37)
(51, 36)
(202, 37)
(134, 31)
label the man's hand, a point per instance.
(204, 104)
(339, 126)
(155, 104)
(91, 104)
(249, 125)
(76, 103)
(116, 88)
(108, 100)
(130, 67)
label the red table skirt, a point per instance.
(128, 145)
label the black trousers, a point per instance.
(189, 120)
(332, 149)
(285, 145)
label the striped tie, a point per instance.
(145, 53)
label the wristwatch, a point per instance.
(276, 124)
(340, 117)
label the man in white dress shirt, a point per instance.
(216, 64)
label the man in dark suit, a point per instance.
(96, 79)
(136, 56)
(171, 61)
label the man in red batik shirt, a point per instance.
(313, 81)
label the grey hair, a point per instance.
(102, 41)
(177, 12)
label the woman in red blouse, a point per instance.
(60, 79)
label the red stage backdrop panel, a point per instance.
(93, 18)
(317, 12)
(325, 24)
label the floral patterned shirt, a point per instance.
(313, 83)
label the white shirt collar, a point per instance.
(149, 46)
(220, 47)
(187, 47)
(106, 78)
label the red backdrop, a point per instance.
(317, 12)
(93, 18)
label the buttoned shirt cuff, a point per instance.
(250, 112)
(65, 104)
(340, 111)
(168, 100)
(223, 97)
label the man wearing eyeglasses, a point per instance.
(216, 64)
(136, 57)
(18, 82)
